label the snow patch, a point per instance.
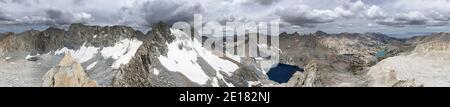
(216, 62)
(233, 57)
(91, 65)
(183, 61)
(122, 51)
(259, 58)
(81, 55)
(28, 57)
(253, 83)
(215, 82)
(6, 59)
(155, 71)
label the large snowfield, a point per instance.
(183, 57)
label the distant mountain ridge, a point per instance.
(166, 57)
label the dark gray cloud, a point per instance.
(299, 14)
(3, 17)
(169, 11)
(18, 1)
(304, 16)
(13, 1)
(58, 16)
(23, 2)
(80, 2)
(63, 18)
(260, 2)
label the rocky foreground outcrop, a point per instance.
(68, 73)
(307, 79)
(427, 65)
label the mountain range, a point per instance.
(120, 56)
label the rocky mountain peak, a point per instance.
(68, 73)
(320, 33)
(32, 32)
(53, 29)
(80, 27)
(284, 34)
(162, 32)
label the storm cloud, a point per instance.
(3, 17)
(260, 2)
(298, 14)
(61, 17)
(169, 11)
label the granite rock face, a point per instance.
(68, 73)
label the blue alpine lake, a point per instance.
(283, 72)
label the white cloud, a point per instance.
(349, 9)
(294, 13)
(375, 12)
(402, 19)
(306, 16)
(412, 12)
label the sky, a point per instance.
(305, 16)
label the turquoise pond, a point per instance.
(380, 54)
